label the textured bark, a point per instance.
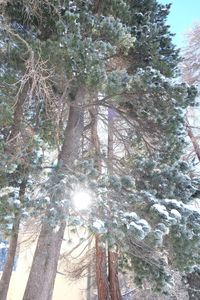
(101, 272)
(101, 259)
(9, 264)
(12, 145)
(95, 142)
(44, 267)
(113, 276)
(115, 292)
(7, 271)
(107, 283)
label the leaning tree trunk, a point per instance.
(11, 150)
(115, 291)
(44, 266)
(43, 271)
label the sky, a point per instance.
(183, 15)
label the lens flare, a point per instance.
(81, 200)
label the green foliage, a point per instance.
(157, 274)
(164, 181)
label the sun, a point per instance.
(81, 200)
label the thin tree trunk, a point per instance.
(112, 256)
(110, 140)
(7, 271)
(44, 267)
(12, 144)
(194, 142)
(89, 270)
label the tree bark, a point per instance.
(101, 271)
(12, 144)
(44, 267)
(113, 276)
(89, 275)
(110, 151)
(7, 271)
(101, 259)
(95, 142)
(112, 256)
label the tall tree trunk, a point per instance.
(115, 291)
(44, 267)
(101, 258)
(112, 256)
(11, 149)
(101, 271)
